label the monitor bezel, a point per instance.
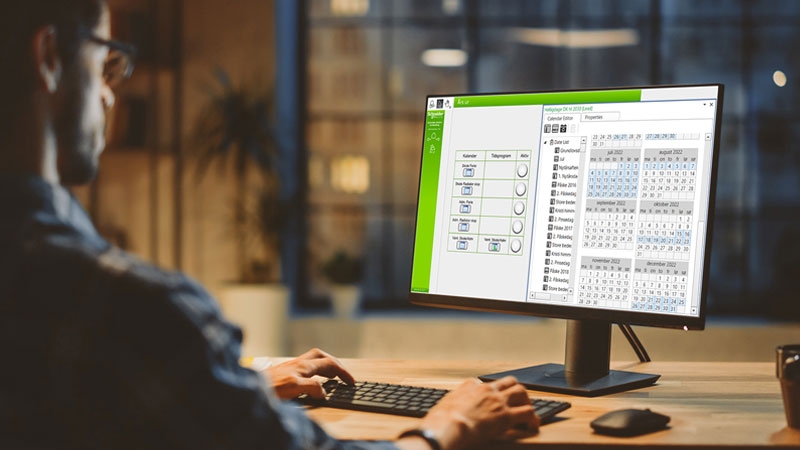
(576, 312)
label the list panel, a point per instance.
(488, 208)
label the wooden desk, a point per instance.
(712, 405)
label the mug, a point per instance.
(788, 372)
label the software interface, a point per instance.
(597, 199)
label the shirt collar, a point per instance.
(23, 195)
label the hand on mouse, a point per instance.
(475, 413)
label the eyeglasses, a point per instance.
(119, 63)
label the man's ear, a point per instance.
(46, 59)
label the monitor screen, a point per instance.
(591, 204)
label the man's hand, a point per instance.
(476, 412)
(296, 376)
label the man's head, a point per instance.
(54, 53)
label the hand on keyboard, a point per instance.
(474, 408)
(469, 416)
(296, 377)
(477, 412)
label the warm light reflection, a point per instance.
(553, 37)
(451, 6)
(316, 172)
(444, 57)
(350, 174)
(779, 78)
(349, 7)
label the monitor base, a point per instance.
(552, 378)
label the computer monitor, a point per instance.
(593, 206)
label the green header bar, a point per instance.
(428, 192)
(555, 98)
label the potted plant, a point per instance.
(264, 221)
(344, 271)
(234, 131)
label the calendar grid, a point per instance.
(605, 282)
(639, 203)
(660, 286)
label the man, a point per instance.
(103, 351)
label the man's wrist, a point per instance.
(425, 434)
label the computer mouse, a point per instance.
(629, 422)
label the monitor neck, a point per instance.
(588, 352)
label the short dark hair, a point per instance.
(19, 20)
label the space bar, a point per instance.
(364, 403)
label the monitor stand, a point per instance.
(586, 369)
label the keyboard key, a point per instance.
(368, 403)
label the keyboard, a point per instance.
(402, 400)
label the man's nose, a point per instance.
(108, 97)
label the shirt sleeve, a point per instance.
(181, 383)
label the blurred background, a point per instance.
(276, 143)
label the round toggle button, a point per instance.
(516, 245)
(522, 170)
(522, 188)
(519, 208)
(516, 227)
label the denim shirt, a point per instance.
(101, 350)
